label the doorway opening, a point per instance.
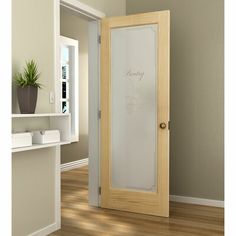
(143, 94)
(74, 84)
(77, 88)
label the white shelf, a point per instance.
(37, 146)
(39, 115)
(54, 121)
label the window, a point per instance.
(69, 83)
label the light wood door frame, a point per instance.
(154, 203)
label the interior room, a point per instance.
(117, 117)
(75, 26)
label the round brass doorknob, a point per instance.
(163, 125)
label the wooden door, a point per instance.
(135, 113)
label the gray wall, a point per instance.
(197, 83)
(75, 27)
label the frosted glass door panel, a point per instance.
(134, 108)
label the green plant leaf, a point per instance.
(30, 75)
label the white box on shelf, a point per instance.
(21, 140)
(46, 136)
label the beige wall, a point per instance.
(75, 27)
(197, 82)
(33, 191)
(109, 7)
(33, 171)
(32, 38)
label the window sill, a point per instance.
(74, 139)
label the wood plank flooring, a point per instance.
(78, 218)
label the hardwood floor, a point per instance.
(80, 219)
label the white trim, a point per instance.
(46, 230)
(83, 9)
(38, 146)
(73, 84)
(74, 165)
(69, 41)
(197, 201)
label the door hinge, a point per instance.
(99, 190)
(99, 114)
(99, 39)
(168, 125)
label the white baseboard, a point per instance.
(46, 230)
(174, 198)
(74, 164)
(197, 201)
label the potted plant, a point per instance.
(27, 87)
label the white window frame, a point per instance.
(73, 84)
